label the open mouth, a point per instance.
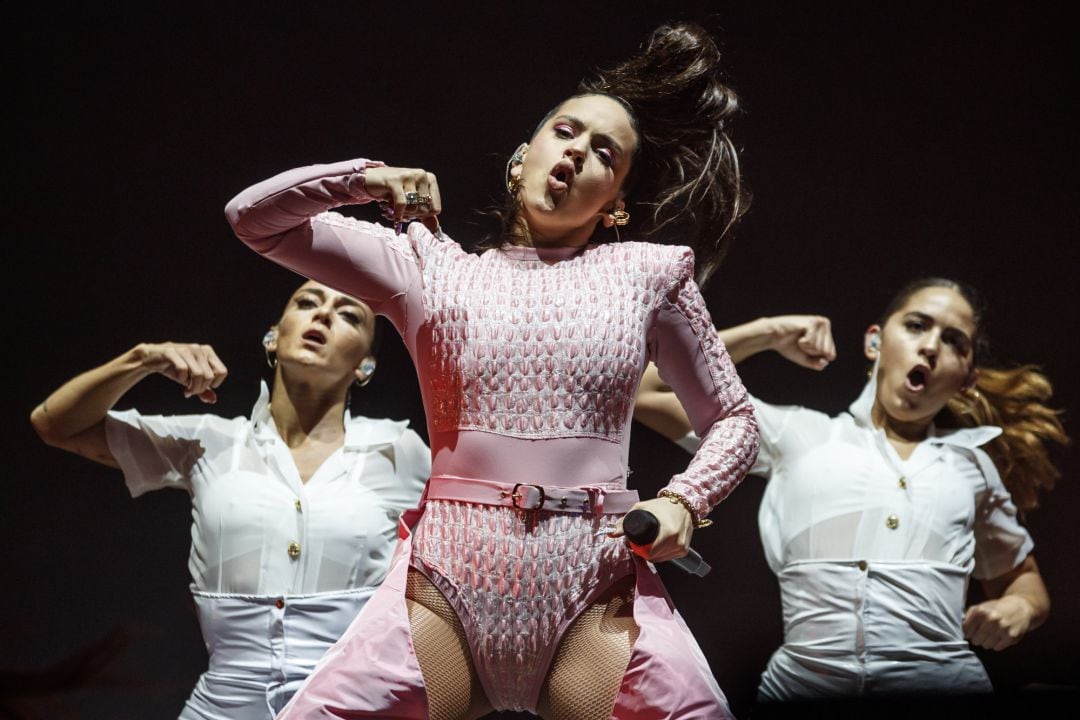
(561, 177)
(917, 378)
(314, 336)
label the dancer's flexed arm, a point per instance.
(805, 340)
(73, 417)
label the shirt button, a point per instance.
(862, 565)
(299, 507)
(892, 522)
(902, 483)
(294, 549)
(279, 603)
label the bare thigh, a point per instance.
(453, 688)
(591, 660)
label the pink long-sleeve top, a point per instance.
(529, 359)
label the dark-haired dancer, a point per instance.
(294, 510)
(875, 520)
(512, 592)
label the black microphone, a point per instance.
(641, 526)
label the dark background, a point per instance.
(882, 143)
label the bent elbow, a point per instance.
(39, 420)
(234, 213)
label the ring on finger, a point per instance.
(416, 199)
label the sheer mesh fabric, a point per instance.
(453, 689)
(589, 665)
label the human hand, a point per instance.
(998, 624)
(673, 539)
(803, 339)
(390, 185)
(195, 367)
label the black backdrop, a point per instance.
(882, 143)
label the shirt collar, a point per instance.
(959, 437)
(361, 433)
(261, 420)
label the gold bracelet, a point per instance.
(680, 500)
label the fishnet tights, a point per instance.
(585, 673)
(589, 665)
(453, 688)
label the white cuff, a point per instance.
(689, 442)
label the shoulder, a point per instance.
(206, 422)
(777, 419)
(427, 244)
(652, 256)
(364, 432)
(661, 268)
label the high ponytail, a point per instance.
(686, 174)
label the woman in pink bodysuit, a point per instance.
(511, 588)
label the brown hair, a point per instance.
(685, 172)
(1013, 399)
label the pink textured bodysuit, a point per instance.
(529, 361)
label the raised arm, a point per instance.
(285, 219)
(805, 340)
(1019, 603)
(73, 417)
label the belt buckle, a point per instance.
(516, 497)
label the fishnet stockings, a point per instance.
(588, 667)
(453, 688)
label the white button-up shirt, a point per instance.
(256, 528)
(873, 553)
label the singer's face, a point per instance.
(575, 165)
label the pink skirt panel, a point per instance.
(668, 676)
(372, 671)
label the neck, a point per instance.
(523, 235)
(901, 431)
(304, 411)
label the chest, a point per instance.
(576, 307)
(534, 350)
(937, 485)
(308, 458)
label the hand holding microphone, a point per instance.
(642, 527)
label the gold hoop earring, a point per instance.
(621, 218)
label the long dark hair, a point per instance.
(1013, 399)
(685, 175)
